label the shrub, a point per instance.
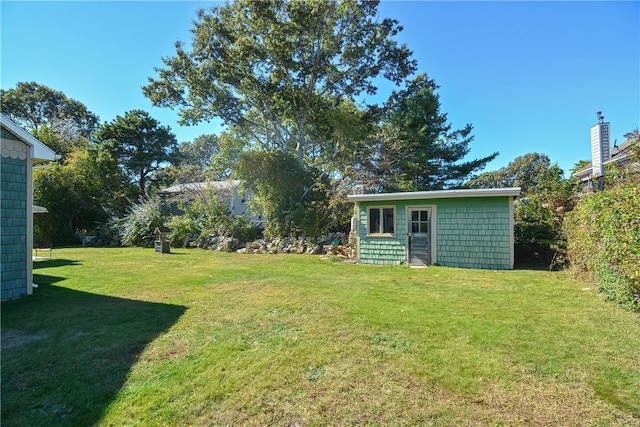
(604, 242)
(209, 214)
(137, 228)
(181, 226)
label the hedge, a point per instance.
(603, 233)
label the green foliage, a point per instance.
(285, 76)
(546, 197)
(62, 145)
(191, 163)
(81, 193)
(32, 105)
(284, 191)
(181, 226)
(272, 69)
(137, 228)
(209, 214)
(529, 172)
(414, 148)
(139, 143)
(604, 231)
(604, 242)
(629, 172)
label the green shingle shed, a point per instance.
(455, 228)
(19, 153)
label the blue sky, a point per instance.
(529, 76)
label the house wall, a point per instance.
(15, 203)
(469, 232)
(475, 233)
(382, 250)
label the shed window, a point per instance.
(382, 220)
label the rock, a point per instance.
(315, 250)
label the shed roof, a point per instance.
(40, 153)
(438, 194)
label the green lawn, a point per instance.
(130, 337)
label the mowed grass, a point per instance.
(120, 337)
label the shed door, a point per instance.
(419, 236)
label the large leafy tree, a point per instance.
(139, 143)
(414, 147)
(193, 162)
(80, 194)
(33, 105)
(289, 194)
(529, 172)
(284, 77)
(273, 70)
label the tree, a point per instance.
(414, 147)
(603, 231)
(84, 192)
(546, 197)
(139, 143)
(527, 172)
(193, 162)
(285, 192)
(272, 70)
(33, 105)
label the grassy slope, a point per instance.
(130, 337)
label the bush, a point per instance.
(137, 228)
(538, 235)
(604, 242)
(208, 215)
(181, 226)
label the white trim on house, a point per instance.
(438, 194)
(40, 153)
(381, 209)
(512, 239)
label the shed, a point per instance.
(455, 228)
(20, 152)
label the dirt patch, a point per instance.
(10, 339)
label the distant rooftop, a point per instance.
(618, 154)
(201, 186)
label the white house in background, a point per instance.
(602, 154)
(20, 153)
(229, 190)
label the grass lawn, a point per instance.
(119, 337)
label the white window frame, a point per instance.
(381, 208)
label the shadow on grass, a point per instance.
(49, 263)
(66, 353)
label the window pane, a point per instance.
(423, 227)
(423, 215)
(414, 215)
(389, 221)
(374, 221)
(414, 227)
